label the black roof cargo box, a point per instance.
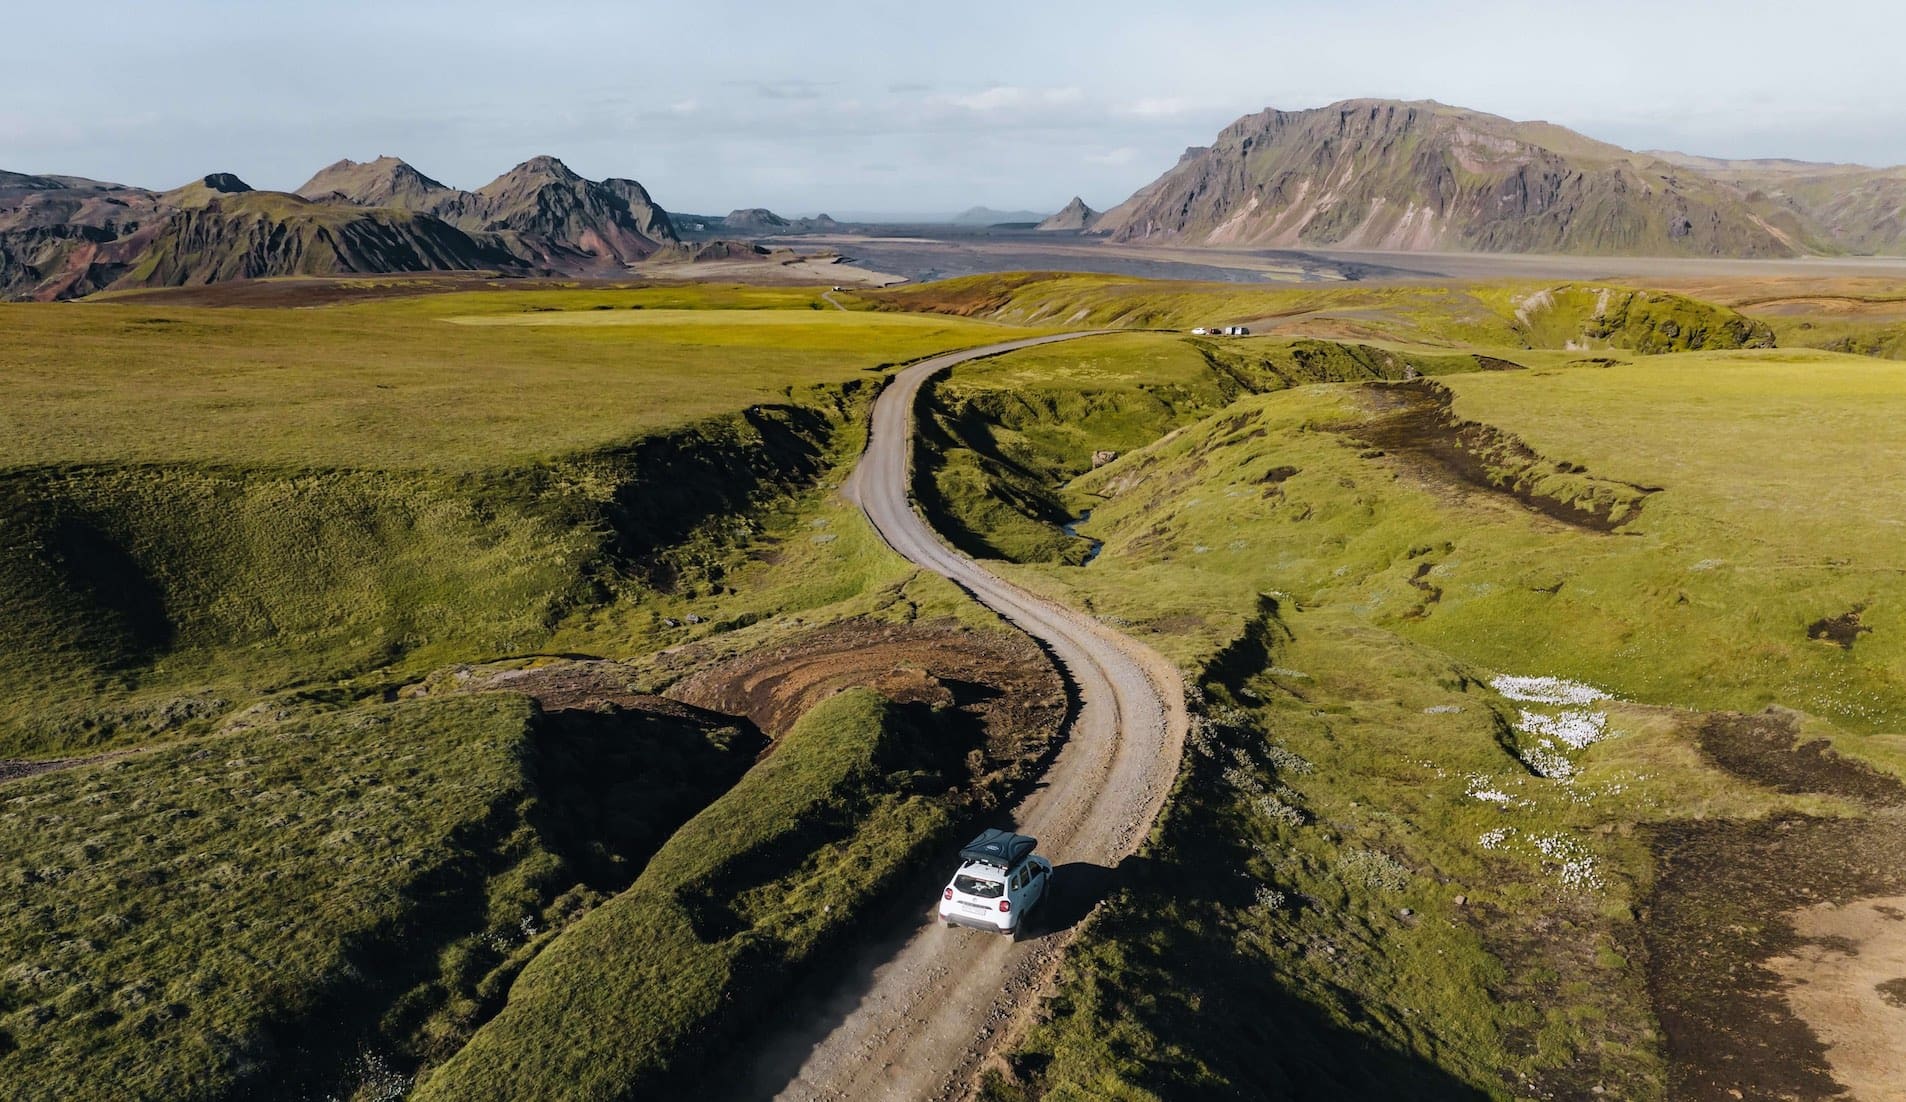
(998, 847)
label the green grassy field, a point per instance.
(1484, 318)
(243, 539)
(999, 450)
(457, 382)
(1655, 526)
(205, 506)
(262, 906)
(652, 983)
(1704, 598)
(547, 472)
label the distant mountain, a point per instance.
(384, 182)
(202, 191)
(1383, 174)
(548, 214)
(1074, 216)
(64, 236)
(987, 216)
(254, 234)
(755, 220)
(1846, 208)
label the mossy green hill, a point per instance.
(1490, 318)
(317, 495)
(328, 509)
(263, 910)
(303, 577)
(1378, 873)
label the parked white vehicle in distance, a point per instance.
(1000, 879)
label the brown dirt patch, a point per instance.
(1766, 749)
(588, 685)
(1719, 926)
(1845, 981)
(1842, 631)
(1000, 679)
(1413, 421)
(13, 769)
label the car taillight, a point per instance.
(1005, 906)
(948, 894)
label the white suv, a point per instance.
(999, 880)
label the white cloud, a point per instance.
(1002, 96)
(1163, 107)
(1123, 155)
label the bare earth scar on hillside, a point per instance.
(1847, 981)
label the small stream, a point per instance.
(1071, 528)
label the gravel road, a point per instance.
(917, 1017)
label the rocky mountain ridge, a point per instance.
(547, 214)
(1074, 217)
(63, 236)
(1384, 174)
(1846, 208)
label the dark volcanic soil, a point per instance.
(1765, 749)
(1723, 904)
(1414, 421)
(1842, 631)
(1719, 913)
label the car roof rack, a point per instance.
(998, 847)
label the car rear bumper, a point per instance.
(973, 921)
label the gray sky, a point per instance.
(872, 106)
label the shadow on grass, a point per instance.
(1160, 990)
(603, 790)
(1079, 886)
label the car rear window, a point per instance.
(973, 885)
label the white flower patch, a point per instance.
(1442, 709)
(1578, 729)
(1479, 789)
(1546, 690)
(1559, 722)
(1572, 862)
(1575, 865)
(1548, 762)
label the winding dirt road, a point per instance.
(927, 1011)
